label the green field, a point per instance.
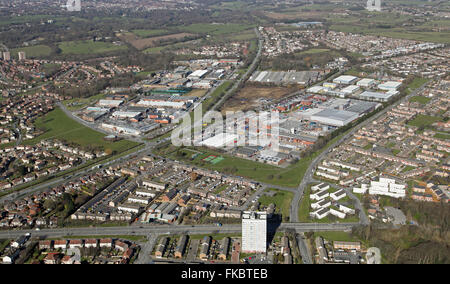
(422, 120)
(77, 104)
(304, 207)
(420, 99)
(150, 33)
(416, 83)
(88, 47)
(313, 51)
(390, 25)
(57, 125)
(125, 237)
(241, 36)
(282, 201)
(156, 49)
(215, 29)
(34, 51)
(442, 136)
(230, 164)
(159, 49)
(336, 236)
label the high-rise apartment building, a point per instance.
(254, 231)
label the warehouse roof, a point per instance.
(336, 114)
(389, 85)
(375, 95)
(345, 79)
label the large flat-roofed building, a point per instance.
(110, 103)
(254, 231)
(282, 77)
(197, 74)
(334, 117)
(220, 140)
(21, 55)
(162, 104)
(127, 114)
(6, 56)
(345, 79)
(375, 96)
(389, 86)
(366, 83)
(363, 107)
(347, 245)
(387, 186)
(121, 129)
(350, 89)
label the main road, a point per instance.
(155, 230)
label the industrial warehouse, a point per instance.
(365, 89)
(297, 77)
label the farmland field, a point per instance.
(313, 51)
(148, 33)
(391, 25)
(89, 47)
(215, 29)
(156, 41)
(34, 51)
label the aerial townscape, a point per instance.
(224, 132)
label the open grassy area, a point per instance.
(305, 203)
(148, 33)
(241, 36)
(196, 93)
(125, 237)
(420, 99)
(390, 25)
(442, 136)
(166, 47)
(215, 96)
(4, 244)
(230, 164)
(422, 120)
(281, 199)
(58, 125)
(416, 83)
(34, 51)
(156, 49)
(216, 237)
(79, 103)
(88, 47)
(336, 236)
(313, 51)
(215, 29)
